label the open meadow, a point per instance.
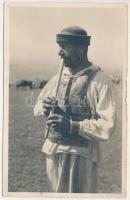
(27, 162)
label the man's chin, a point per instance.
(67, 66)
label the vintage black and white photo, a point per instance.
(64, 99)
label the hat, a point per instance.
(73, 35)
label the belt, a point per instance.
(75, 140)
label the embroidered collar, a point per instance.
(66, 71)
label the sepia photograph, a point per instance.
(65, 73)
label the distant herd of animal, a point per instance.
(27, 84)
(39, 84)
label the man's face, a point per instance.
(69, 53)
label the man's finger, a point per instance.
(50, 100)
(47, 106)
(53, 122)
(53, 116)
(47, 101)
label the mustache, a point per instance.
(63, 56)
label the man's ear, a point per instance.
(81, 48)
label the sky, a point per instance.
(33, 51)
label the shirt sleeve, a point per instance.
(46, 92)
(102, 127)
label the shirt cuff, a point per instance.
(38, 110)
(85, 131)
(74, 127)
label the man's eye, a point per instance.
(63, 48)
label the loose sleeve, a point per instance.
(47, 91)
(102, 127)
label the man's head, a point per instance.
(74, 43)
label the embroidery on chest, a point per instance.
(79, 86)
(76, 101)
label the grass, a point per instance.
(27, 162)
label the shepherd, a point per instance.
(79, 116)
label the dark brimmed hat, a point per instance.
(73, 35)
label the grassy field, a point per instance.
(27, 162)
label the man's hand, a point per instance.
(49, 104)
(59, 123)
(57, 119)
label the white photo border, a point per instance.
(5, 149)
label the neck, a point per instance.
(80, 65)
